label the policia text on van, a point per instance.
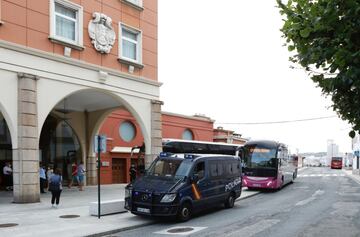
(178, 185)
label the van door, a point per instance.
(201, 188)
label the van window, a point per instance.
(200, 169)
(220, 169)
(167, 168)
(235, 168)
(228, 168)
(213, 169)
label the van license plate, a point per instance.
(144, 210)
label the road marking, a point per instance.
(193, 230)
(310, 199)
(321, 175)
(253, 229)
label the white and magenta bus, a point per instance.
(267, 165)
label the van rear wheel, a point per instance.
(184, 213)
(230, 201)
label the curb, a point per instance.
(110, 232)
(243, 198)
(354, 178)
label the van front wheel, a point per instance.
(230, 201)
(185, 212)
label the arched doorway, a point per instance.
(83, 112)
(5, 148)
(59, 146)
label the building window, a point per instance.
(138, 4)
(187, 135)
(66, 23)
(127, 131)
(130, 45)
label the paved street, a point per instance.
(321, 202)
(39, 219)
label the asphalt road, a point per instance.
(321, 202)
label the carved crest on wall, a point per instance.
(101, 32)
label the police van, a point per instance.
(181, 184)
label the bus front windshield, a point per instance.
(259, 157)
(170, 168)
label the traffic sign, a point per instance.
(102, 139)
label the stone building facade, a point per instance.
(65, 65)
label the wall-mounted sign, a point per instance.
(105, 163)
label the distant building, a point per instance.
(228, 136)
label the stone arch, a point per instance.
(129, 103)
(10, 125)
(57, 128)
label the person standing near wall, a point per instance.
(132, 172)
(49, 173)
(55, 187)
(7, 172)
(42, 175)
(81, 175)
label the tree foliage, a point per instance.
(324, 38)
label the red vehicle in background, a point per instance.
(336, 163)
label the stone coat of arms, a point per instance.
(101, 32)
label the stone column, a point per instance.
(26, 156)
(91, 167)
(156, 132)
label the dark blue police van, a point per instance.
(181, 184)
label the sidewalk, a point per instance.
(39, 219)
(354, 177)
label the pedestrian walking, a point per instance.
(7, 172)
(73, 176)
(81, 175)
(55, 187)
(42, 175)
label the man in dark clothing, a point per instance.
(132, 172)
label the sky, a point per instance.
(225, 59)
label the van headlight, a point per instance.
(128, 193)
(168, 197)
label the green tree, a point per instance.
(324, 38)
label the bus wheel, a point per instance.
(230, 201)
(185, 212)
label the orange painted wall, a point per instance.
(111, 128)
(173, 126)
(26, 22)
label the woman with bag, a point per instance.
(55, 187)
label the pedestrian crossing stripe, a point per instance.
(321, 175)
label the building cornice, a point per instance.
(74, 62)
(188, 117)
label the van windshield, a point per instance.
(172, 168)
